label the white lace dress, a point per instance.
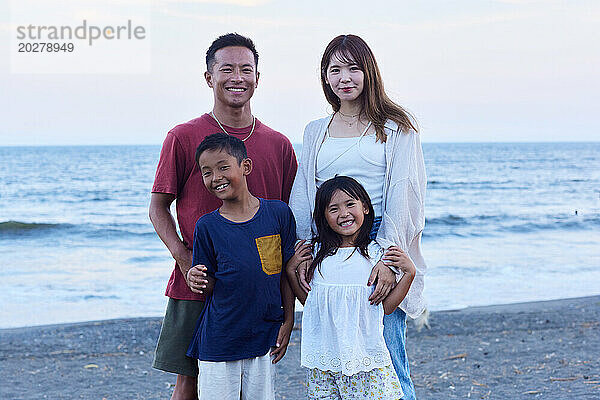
(341, 331)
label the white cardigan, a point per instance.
(403, 218)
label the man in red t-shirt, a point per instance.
(231, 63)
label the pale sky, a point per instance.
(470, 71)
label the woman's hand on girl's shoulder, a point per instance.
(395, 257)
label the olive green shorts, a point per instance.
(175, 336)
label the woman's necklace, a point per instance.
(221, 126)
(353, 119)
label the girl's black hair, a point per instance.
(326, 238)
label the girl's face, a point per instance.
(345, 79)
(345, 215)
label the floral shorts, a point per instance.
(380, 383)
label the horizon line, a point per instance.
(293, 143)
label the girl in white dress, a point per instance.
(342, 332)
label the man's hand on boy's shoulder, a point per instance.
(283, 339)
(199, 281)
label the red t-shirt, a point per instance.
(274, 168)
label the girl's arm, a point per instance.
(302, 254)
(399, 259)
(200, 281)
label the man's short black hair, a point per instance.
(227, 40)
(221, 141)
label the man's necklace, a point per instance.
(221, 126)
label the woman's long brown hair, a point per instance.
(375, 103)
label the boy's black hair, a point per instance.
(221, 141)
(328, 240)
(227, 40)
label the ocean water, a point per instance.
(505, 223)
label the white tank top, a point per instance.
(361, 158)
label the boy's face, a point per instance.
(223, 175)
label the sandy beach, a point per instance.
(546, 350)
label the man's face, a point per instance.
(233, 77)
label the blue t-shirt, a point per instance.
(243, 316)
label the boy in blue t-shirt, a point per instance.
(239, 251)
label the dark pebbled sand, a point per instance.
(546, 350)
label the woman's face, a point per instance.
(345, 79)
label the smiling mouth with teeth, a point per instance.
(236, 89)
(346, 223)
(221, 186)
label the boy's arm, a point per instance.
(295, 285)
(397, 258)
(201, 277)
(285, 331)
(288, 238)
(288, 300)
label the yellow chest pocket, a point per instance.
(269, 250)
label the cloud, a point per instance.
(7, 27)
(550, 12)
(71, 11)
(528, 2)
(243, 3)
(461, 22)
(240, 20)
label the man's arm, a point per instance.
(164, 225)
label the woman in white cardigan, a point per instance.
(375, 141)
